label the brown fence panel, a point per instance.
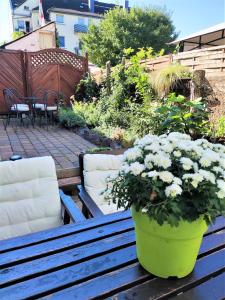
(55, 69)
(50, 69)
(12, 74)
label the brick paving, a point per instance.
(63, 145)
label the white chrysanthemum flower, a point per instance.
(125, 168)
(217, 169)
(149, 160)
(209, 176)
(162, 160)
(136, 168)
(177, 180)
(221, 194)
(167, 147)
(144, 210)
(177, 153)
(187, 163)
(153, 174)
(205, 162)
(154, 147)
(221, 184)
(222, 163)
(144, 175)
(132, 154)
(166, 176)
(179, 136)
(173, 190)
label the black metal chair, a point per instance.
(16, 107)
(48, 108)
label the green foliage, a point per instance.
(167, 78)
(70, 119)
(17, 34)
(97, 150)
(121, 30)
(220, 128)
(171, 178)
(87, 89)
(88, 112)
(182, 115)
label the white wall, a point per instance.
(24, 15)
(67, 29)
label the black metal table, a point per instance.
(96, 259)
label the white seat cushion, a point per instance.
(97, 168)
(39, 105)
(29, 197)
(20, 107)
(49, 108)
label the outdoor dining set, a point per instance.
(41, 107)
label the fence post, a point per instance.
(24, 63)
(108, 73)
(86, 63)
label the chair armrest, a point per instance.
(88, 202)
(71, 208)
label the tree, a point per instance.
(120, 29)
(17, 34)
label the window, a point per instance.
(61, 41)
(59, 19)
(27, 25)
(26, 7)
(20, 24)
(81, 21)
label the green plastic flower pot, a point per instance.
(167, 251)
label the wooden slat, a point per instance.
(158, 288)
(218, 226)
(110, 284)
(212, 242)
(71, 275)
(213, 289)
(51, 234)
(61, 244)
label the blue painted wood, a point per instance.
(155, 288)
(71, 208)
(71, 275)
(66, 258)
(65, 243)
(51, 234)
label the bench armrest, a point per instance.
(89, 204)
(72, 211)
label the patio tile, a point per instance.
(63, 145)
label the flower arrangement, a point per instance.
(171, 178)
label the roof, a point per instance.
(212, 36)
(25, 35)
(16, 3)
(73, 5)
(74, 12)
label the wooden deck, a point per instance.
(63, 145)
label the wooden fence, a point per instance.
(212, 60)
(54, 69)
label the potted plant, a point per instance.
(175, 187)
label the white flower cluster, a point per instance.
(179, 163)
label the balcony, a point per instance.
(80, 28)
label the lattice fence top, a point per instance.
(55, 57)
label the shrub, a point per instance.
(182, 115)
(163, 81)
(70, 119)
(220, 128)
(87, 89)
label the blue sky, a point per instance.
(188, 15)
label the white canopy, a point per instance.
(212, 36)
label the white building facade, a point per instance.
(70, 22)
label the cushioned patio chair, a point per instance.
(94, 170)
(30, 200)
(16, 106)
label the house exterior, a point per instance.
(72, 17)
(39, 39)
